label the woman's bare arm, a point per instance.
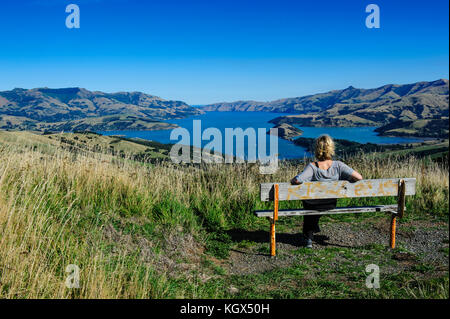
(356, 176)
(304, 176)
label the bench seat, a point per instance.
(338, 210)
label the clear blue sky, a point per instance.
(211, 51)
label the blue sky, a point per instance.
(211, 51)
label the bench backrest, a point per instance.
(338, 189)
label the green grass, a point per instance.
(313, 279)
(141, 230)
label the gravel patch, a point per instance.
(417, 241)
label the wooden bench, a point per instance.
(339, 189)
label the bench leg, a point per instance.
(273, 220)
(272, 238)
(393, 226)
(400, 209)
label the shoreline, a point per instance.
(326, 126)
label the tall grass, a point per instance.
(58, 209)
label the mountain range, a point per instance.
(69, 108)
(388, 104)
(417, 109)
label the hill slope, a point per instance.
(356, 107)
(426, 128)
(87, 143)
(157, 230)
(28, 109)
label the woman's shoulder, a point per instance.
(339, 164)
(342, 166)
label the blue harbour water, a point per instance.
(255, 120)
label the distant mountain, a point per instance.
(356, 107)
(28, 109)
(92, 124)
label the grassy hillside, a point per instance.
(86, 143)
(435, 149)
(435, 128)
(287, 131)
(71, 109)
(167, 231)
(104, 123)
(357, 107)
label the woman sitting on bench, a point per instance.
(324, 169)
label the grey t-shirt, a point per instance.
(337, 171)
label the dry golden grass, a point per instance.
(54, 209)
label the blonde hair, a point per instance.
(324, 148)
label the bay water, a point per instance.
(255, 120)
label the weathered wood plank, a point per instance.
(401, 198)
(339, 210)
(338, 189)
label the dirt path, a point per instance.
(365, 241)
